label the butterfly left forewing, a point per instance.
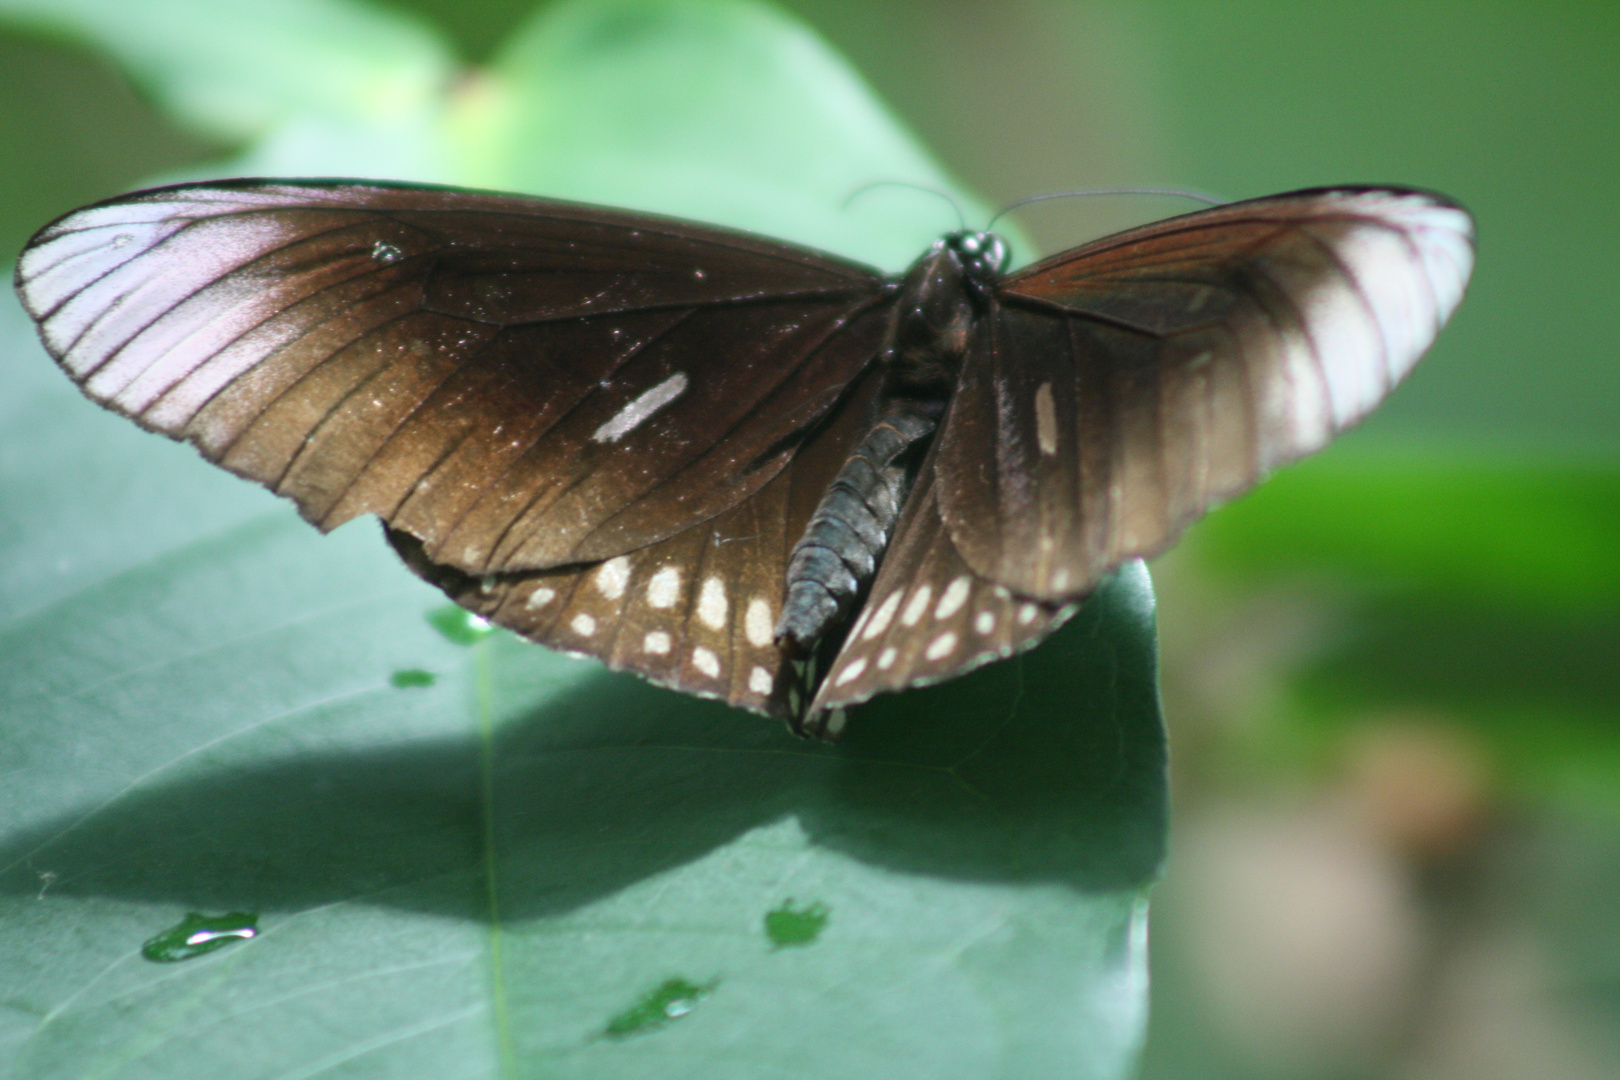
(1115, 393)
(519, 383)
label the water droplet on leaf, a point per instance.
(459, 625)
(197, 934)
(671, 1000)
(789, 926)
(412, 677)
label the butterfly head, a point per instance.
(982, 254)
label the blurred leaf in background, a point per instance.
(467, 856)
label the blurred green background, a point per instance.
(1392, 676)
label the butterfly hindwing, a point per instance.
(1113, 394)
(693, 612)
(929, 616)
(518, 383)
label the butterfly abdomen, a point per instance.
(838, 555)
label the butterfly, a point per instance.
(737, 467)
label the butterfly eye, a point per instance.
(982, 252)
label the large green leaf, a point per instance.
(485, 859)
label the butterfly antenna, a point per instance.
(1177, 193)
(961, 221)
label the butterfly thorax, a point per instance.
(940, 300)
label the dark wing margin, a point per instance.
(516, 382)
(1115, 393)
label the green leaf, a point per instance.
(716, 110)
(243, 69)
(1534, 536)
(1465, 587)
(207, 707)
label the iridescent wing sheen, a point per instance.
(1116, 392)
(518, 383)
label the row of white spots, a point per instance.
(945, 645)
(950, 602)
(640, 410)
(612, 579)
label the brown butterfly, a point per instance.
(736, 467)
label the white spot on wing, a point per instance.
(881, 617)
(954, 596)
(612, 576)
(656, 641)
(706, 661)
(759, 681)
(851, 672)
(1026, 614)
(664, 588)
(886, 658)
(641, 409)
(583, 624)
(984, 622)
(757, 623)
(941, 646)
(1046, 432)
(919, 604)
(712, 603)
(540, 598)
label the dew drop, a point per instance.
(385, 254)
(122, 239)
(795, 926)
(669, 1001)
(197, 934)
(412, 677)
(459, 625)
